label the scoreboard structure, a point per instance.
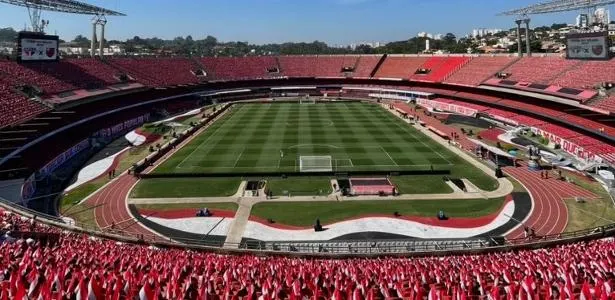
(33, 46)
(589, 45)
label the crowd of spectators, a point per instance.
(78, 266)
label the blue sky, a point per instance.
(263, 21)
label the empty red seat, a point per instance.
(159, 71)
(480, 69)
(539, 69)
(238, 68)
(588, 74)
(440, 67)
(400, 66)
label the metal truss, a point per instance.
(66, 6)
(555, 6)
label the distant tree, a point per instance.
(364, 49)
(8, 34)
(81, 41)
(501, 34)
(535, 46)
(543, 28)
(557, 26)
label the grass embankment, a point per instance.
(185, 187)
(592, 213)
(305, 213)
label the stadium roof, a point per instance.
(556, 6)
(66, 6)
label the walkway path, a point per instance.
(238, 226)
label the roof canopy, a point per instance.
(557, 6)
(66, 6)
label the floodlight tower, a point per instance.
(528, 48)
(519, 51)
(551, 6)
(96, 21)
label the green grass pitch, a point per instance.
(272, 137)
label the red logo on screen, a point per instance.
(51, 52)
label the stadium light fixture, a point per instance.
(556, 6)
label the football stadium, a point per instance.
(345, 175)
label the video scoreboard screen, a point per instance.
(591, 45)
(37, 47)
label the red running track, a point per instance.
(549, 214)
(111, 210)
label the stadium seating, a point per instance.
(559, 131)
(95, 68)
(400, 66)
(587, 74)
(313, 66)
(525, 120)
(83, 267)
(589, 124)
(158, 71)
(441, 67)
(539, 69)
(366, 65)
(237, 68)
(531, 108)
(14, 108)
(39, 75)
(607, 103)
(479, 69)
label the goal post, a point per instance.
(307, 100)
(315, 163)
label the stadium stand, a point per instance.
(558, 130)
(14, 108)
(480, 69)
(531, 108)
(587, 74)
(440, 67)
(56, 264)
(158, 72)
(237, 68)
(39, 75)
(366, 65)
(313, 66)
(106, 74)
(400, 66)
(607, 103)
(539, 69)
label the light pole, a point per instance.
(520, 53)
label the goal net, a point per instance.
(307, 100)
(315, 164)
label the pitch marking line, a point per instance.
(238, 157)
(235, 113)
(360, 166)
(387, 153)
(405, 128)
